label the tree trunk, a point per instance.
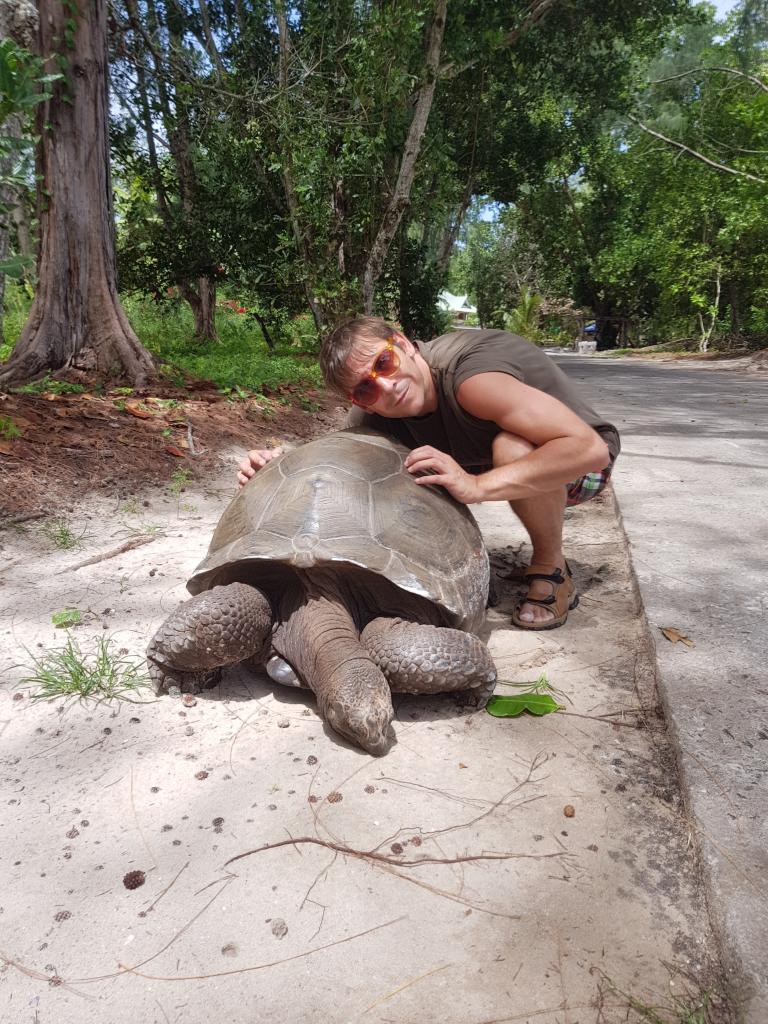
(18, 21)
(402, 192)
(76, 311)
(203, 305)
(291, 198)
(736, 301)
(452, 231)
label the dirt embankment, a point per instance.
(55, 446)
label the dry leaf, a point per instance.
(134, 410)
(673, 634)
(173, 450)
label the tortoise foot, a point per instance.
(216, 628)
(429, 659)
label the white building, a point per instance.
(458, 306)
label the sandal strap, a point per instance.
(554, 575)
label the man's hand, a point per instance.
(255, 460)
(437, 467)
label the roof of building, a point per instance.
(455, 303)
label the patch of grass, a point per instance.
(8, 429)
(61, 534)
(102, 674)
(67, 618)
(541, 685)
(18, 299)
(309, 405)
(685, 1008)
(47, 385)
(240, 359)
(179, 480)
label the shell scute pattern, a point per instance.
(347, 498)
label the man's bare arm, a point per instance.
(565, 447)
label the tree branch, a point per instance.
(730, 71)
(698, 156)
(536, 12)
(411, 151)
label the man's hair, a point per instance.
(360, 332)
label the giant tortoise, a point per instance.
(338, 571)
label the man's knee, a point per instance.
(509, 447)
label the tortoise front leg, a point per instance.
(430, 659)
(219, 627)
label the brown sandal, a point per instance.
(562, 599)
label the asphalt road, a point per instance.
(692, 485)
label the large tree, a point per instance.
(76, 317)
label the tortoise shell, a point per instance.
(346, 501)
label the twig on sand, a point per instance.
(18, 520)
(401, 988)
(261, 967)
(39, 976)
(382, 858)
(135, 542)
(194, 452)
(157, 899)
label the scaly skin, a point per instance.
(428, 659)
(320, 641)
(219, 627)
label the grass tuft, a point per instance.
(59, 532)
(103, 674)
(67, 618)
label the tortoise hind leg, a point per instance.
(219, 627)
(430, 659)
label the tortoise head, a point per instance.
(369, 727)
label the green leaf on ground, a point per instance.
(510, 707)
(67, 618)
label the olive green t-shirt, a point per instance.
(455, 357)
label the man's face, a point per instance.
(385, 378)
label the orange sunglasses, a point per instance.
(386, 364)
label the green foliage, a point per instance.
(67, 618)
(48, 385)
(61, 534)
(524, 318)
(534, 696)
(8, 429)
(22, 87)
(510, 707)
(650, 235)
(239, 359)
(180, 479)
(101, 674)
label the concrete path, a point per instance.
(692, 486)
(528, 870)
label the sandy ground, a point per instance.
(579, 919)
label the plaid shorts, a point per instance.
(589, 485)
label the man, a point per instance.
(489, 417)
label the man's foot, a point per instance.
(551, 595)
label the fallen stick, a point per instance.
(383, 858)
(17, 520)
(127, 545)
